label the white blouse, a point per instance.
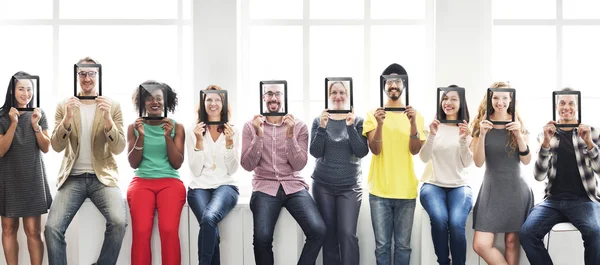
(215, 165)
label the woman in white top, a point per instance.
(213, 160)
(445, 195)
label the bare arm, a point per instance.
(176, 146)
(134, 155)
(376, 140)
(478, 149)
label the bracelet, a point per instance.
(138, 148)
(198, 150)
(39, 130)
(229, 146)
(377, 141)
(526, 152)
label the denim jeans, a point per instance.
(265, 212)
(339, 209)
(210, 206)
(67, 202)
(448, 209)
(392, 217)
(580, 211)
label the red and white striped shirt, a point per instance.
(275, 159)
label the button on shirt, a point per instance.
(275, 159)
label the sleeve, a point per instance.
(195, 158)
(231, 158)
(60, 134)
(593, 153)
(44, 120)
(542, 163)
(466, 156)
(116, 137)
(358, 142)
(3, 125)
(296, 148)
(427, 149)
(252, 145)
(317, 143)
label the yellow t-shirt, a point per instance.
(391, 174)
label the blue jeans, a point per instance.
(580, 211)
(392, 217)
(339, 209)
(67, 202)
(210, 206)
(265, 212)
(448, 209)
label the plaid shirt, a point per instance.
(275, 159)
(588, 163)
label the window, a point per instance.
(138, 41)
(304, 41)
(541, 46)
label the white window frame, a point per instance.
(306, 22)
(559, 22)
(56, 22)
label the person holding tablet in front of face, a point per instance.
(504, 199)
(24, 190)
(569, 160)
(276, 149)
(213, 160)
(446, 195)
(90, 132)
(338, 145)
(155, 150)
(394, 137)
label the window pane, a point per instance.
(270, 53)
(187, 9)
(526, 57)
(589, 111)
(524, 9)
(337, 9)
(22, 9)
(129, 57)
(579, 64)
(276, 9)
(118, 9)
(581, 9)
(535, 113)
(335, 51)
(398, 9)
(408, 49)
(29, 50)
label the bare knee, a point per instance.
(33, 232)
(481, 246)
(33, 227)
(511, 240)
(10, 226)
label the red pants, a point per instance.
(167, 196)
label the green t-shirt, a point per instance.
(155, 160)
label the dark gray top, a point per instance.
(338, 149)
(24, 188)
(505, 198)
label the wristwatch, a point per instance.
(39, 130)
(416, 136)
